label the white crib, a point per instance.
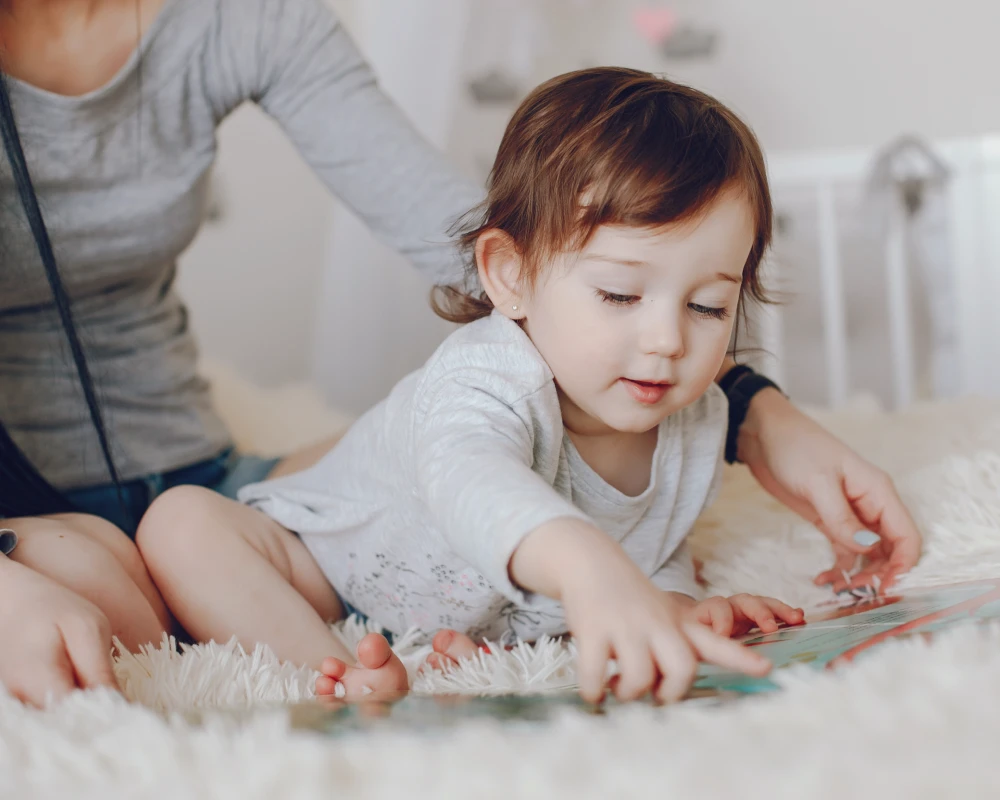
(938, 322)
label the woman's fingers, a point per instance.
(876, 499)
(88, 647)
(844, 561)
(40, 682)
(837, 519)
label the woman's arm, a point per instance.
(296, 60)
(829, 485)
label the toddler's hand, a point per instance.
(614, 611)
(740, 614)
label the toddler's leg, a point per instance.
(226, 570)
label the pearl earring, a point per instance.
(513, 308)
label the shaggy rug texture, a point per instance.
(914, 719)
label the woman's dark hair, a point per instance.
(23, 489)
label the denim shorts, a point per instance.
(226, 474)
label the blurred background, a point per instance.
(879, 119)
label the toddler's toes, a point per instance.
(333, 670)
(454, 645)
(441, 662)
(379, 673)
(374, 651)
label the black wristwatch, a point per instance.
(8, 541)
(740, 385)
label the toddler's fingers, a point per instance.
(757, 611)
(784, 612)
(592, 667)
(725, 652)
(721, 617)
(677, 665)
(636, 672)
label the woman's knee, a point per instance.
(110, 537)
(126, 552)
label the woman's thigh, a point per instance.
(106, 535)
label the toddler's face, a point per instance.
(636, 326)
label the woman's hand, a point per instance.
(741, 613)
(826, 483)
(51, 640)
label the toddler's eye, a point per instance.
(618, 299)
(709, 311)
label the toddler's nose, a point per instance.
(663, 336)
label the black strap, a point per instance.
(740, 385)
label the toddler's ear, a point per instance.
(499, 265)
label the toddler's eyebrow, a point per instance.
(631, 262)
(628, 262)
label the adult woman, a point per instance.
(116, 140)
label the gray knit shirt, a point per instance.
(415, 514)
(122, 183)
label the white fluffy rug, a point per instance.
(912, 720)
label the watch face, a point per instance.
(8, 541)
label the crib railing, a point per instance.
(968, 172)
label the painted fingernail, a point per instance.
(867, 538)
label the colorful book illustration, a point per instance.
(827, 641)
(840, 636)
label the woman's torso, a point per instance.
(122, 185)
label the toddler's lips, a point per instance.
(646, 392)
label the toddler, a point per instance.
(540, 473)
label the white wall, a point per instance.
(839, 73)
(805, 73)
(376, 324)
(251, 277)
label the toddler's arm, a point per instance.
(484, 468)
(614, 610)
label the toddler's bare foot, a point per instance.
(449, 647)
(379, 672)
